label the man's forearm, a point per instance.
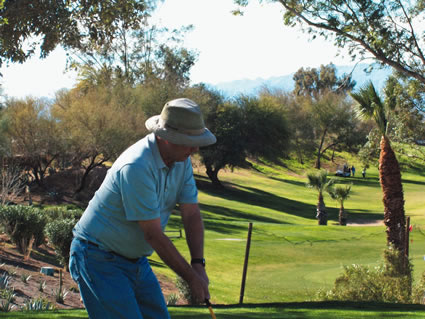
(170, 256)
(194, 230)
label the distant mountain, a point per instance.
(285, 82)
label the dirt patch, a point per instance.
(366, 223)
(13, 263)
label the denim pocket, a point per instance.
(73, 267)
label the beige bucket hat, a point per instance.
(181, 122)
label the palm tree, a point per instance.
(340, 194)
(370, 106)
(318, 180)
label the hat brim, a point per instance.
(154, 125)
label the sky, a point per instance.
(255, 45)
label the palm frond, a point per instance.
(370, 106)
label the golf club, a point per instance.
(210, 308)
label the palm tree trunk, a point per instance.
(342, 216)
(321, 215)
(390, 179)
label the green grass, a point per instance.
(310, 310)
(291, 258)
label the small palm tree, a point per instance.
(319, 181)
(340, 194)
(370, 106)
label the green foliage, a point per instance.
(249, 126)
(418, 293)
(60, 294)
(184, 289)
(82, 25)
(4, 281)
(38, 304)
(371, 106)
(313, 82)
(23, 224)
(389, 31)
(25, 277)
(389, 282)
(172, 299)
(59, 233)
(60, 212)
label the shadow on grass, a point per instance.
(256, 197)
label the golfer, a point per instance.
(125, 220)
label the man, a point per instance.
(125, 220)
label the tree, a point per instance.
(33, 135)
(332, 120)
(145, 55)
(313, 82)
(249, 126)
(230, 149)
(407, 125)
(319, 181)
(100, 124)
(26, 25)
(370, 105)
(390, 31)
(340, 194)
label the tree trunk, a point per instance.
(322, 216)
(319, 152)
(390, 179)
(342, 218)
(213, 175)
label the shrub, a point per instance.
(418, 294)
(24, 225)
(55, 213)
(38, 304)
(59, 233)
(389, 282)
(184, 289)
(172, 299)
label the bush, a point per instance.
(24, 225)
(59, 233)
(55, 213)
(418, 294)
(389, 282)
(184, 289)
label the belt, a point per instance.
(132, 260)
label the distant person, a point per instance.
(353, 170)
(125, 220)
(364, 172)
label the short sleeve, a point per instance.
(138, 193)
(189, 193)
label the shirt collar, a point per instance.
(155, 152)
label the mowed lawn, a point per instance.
(291, 258)
(303, 310)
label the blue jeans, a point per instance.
(112, 287)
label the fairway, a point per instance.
(291, 257)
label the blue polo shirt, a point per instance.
(138, 186)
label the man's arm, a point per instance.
(194, 230)
(170, 255)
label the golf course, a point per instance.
(291, 257)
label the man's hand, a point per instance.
(198, 284)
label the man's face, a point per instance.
(180, 153)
